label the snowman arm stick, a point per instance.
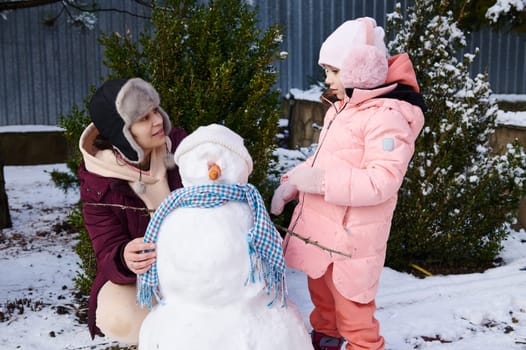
(292, 233)
(120, 206)
(310, 241)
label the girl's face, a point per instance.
(332, 79)
(148, 131)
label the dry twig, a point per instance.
(310, 241)
(279, 227)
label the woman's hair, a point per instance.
(102, 143)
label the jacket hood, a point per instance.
(400, 93)
(400, 84)
(406, 93)
(401, 71)
(107, 163)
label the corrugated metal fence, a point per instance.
(46, 69)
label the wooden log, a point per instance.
(5, 218)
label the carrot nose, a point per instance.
(214, 171)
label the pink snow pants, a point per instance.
(336, 316)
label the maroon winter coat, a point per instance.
(111, 228)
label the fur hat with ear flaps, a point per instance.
(116, 105)
(358, 50)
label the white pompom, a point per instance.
(169, 161)
(139, 187)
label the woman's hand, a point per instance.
(139, 256)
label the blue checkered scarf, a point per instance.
(264, 242)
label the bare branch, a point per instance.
(314, 243)
(22, 4)
(15, 5)
(279, 227)
(120, 206)
(147, 3)
(96, 9)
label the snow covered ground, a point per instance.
(37, 263)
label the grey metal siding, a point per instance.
(503, 54)
(307, 23)
(45, 70)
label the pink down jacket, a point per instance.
(364, 149)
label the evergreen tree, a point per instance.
(497, 14)
(210, 63)
(459, 193)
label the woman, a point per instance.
(347, 190)
(126, 172)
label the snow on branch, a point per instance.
(503, 7)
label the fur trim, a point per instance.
(136, 99)
(364, 67)
(131, 140)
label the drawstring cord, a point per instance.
(302, 201)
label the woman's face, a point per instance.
(148, 131)
(332, 79)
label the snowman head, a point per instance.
(213, 154)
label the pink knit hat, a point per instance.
(358, 50)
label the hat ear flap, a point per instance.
(364, 67)
(167, 124)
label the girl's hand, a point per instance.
(309, 180)
(283, 194)
(139, 256)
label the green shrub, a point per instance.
(84, 250)
(210, 64)
(458, 194)
(73, 124)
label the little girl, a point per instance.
(347, 190)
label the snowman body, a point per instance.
(208, 299)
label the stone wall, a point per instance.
(303, 115)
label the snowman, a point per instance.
(219, 277)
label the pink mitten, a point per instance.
(309, 180)
(283, 194)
